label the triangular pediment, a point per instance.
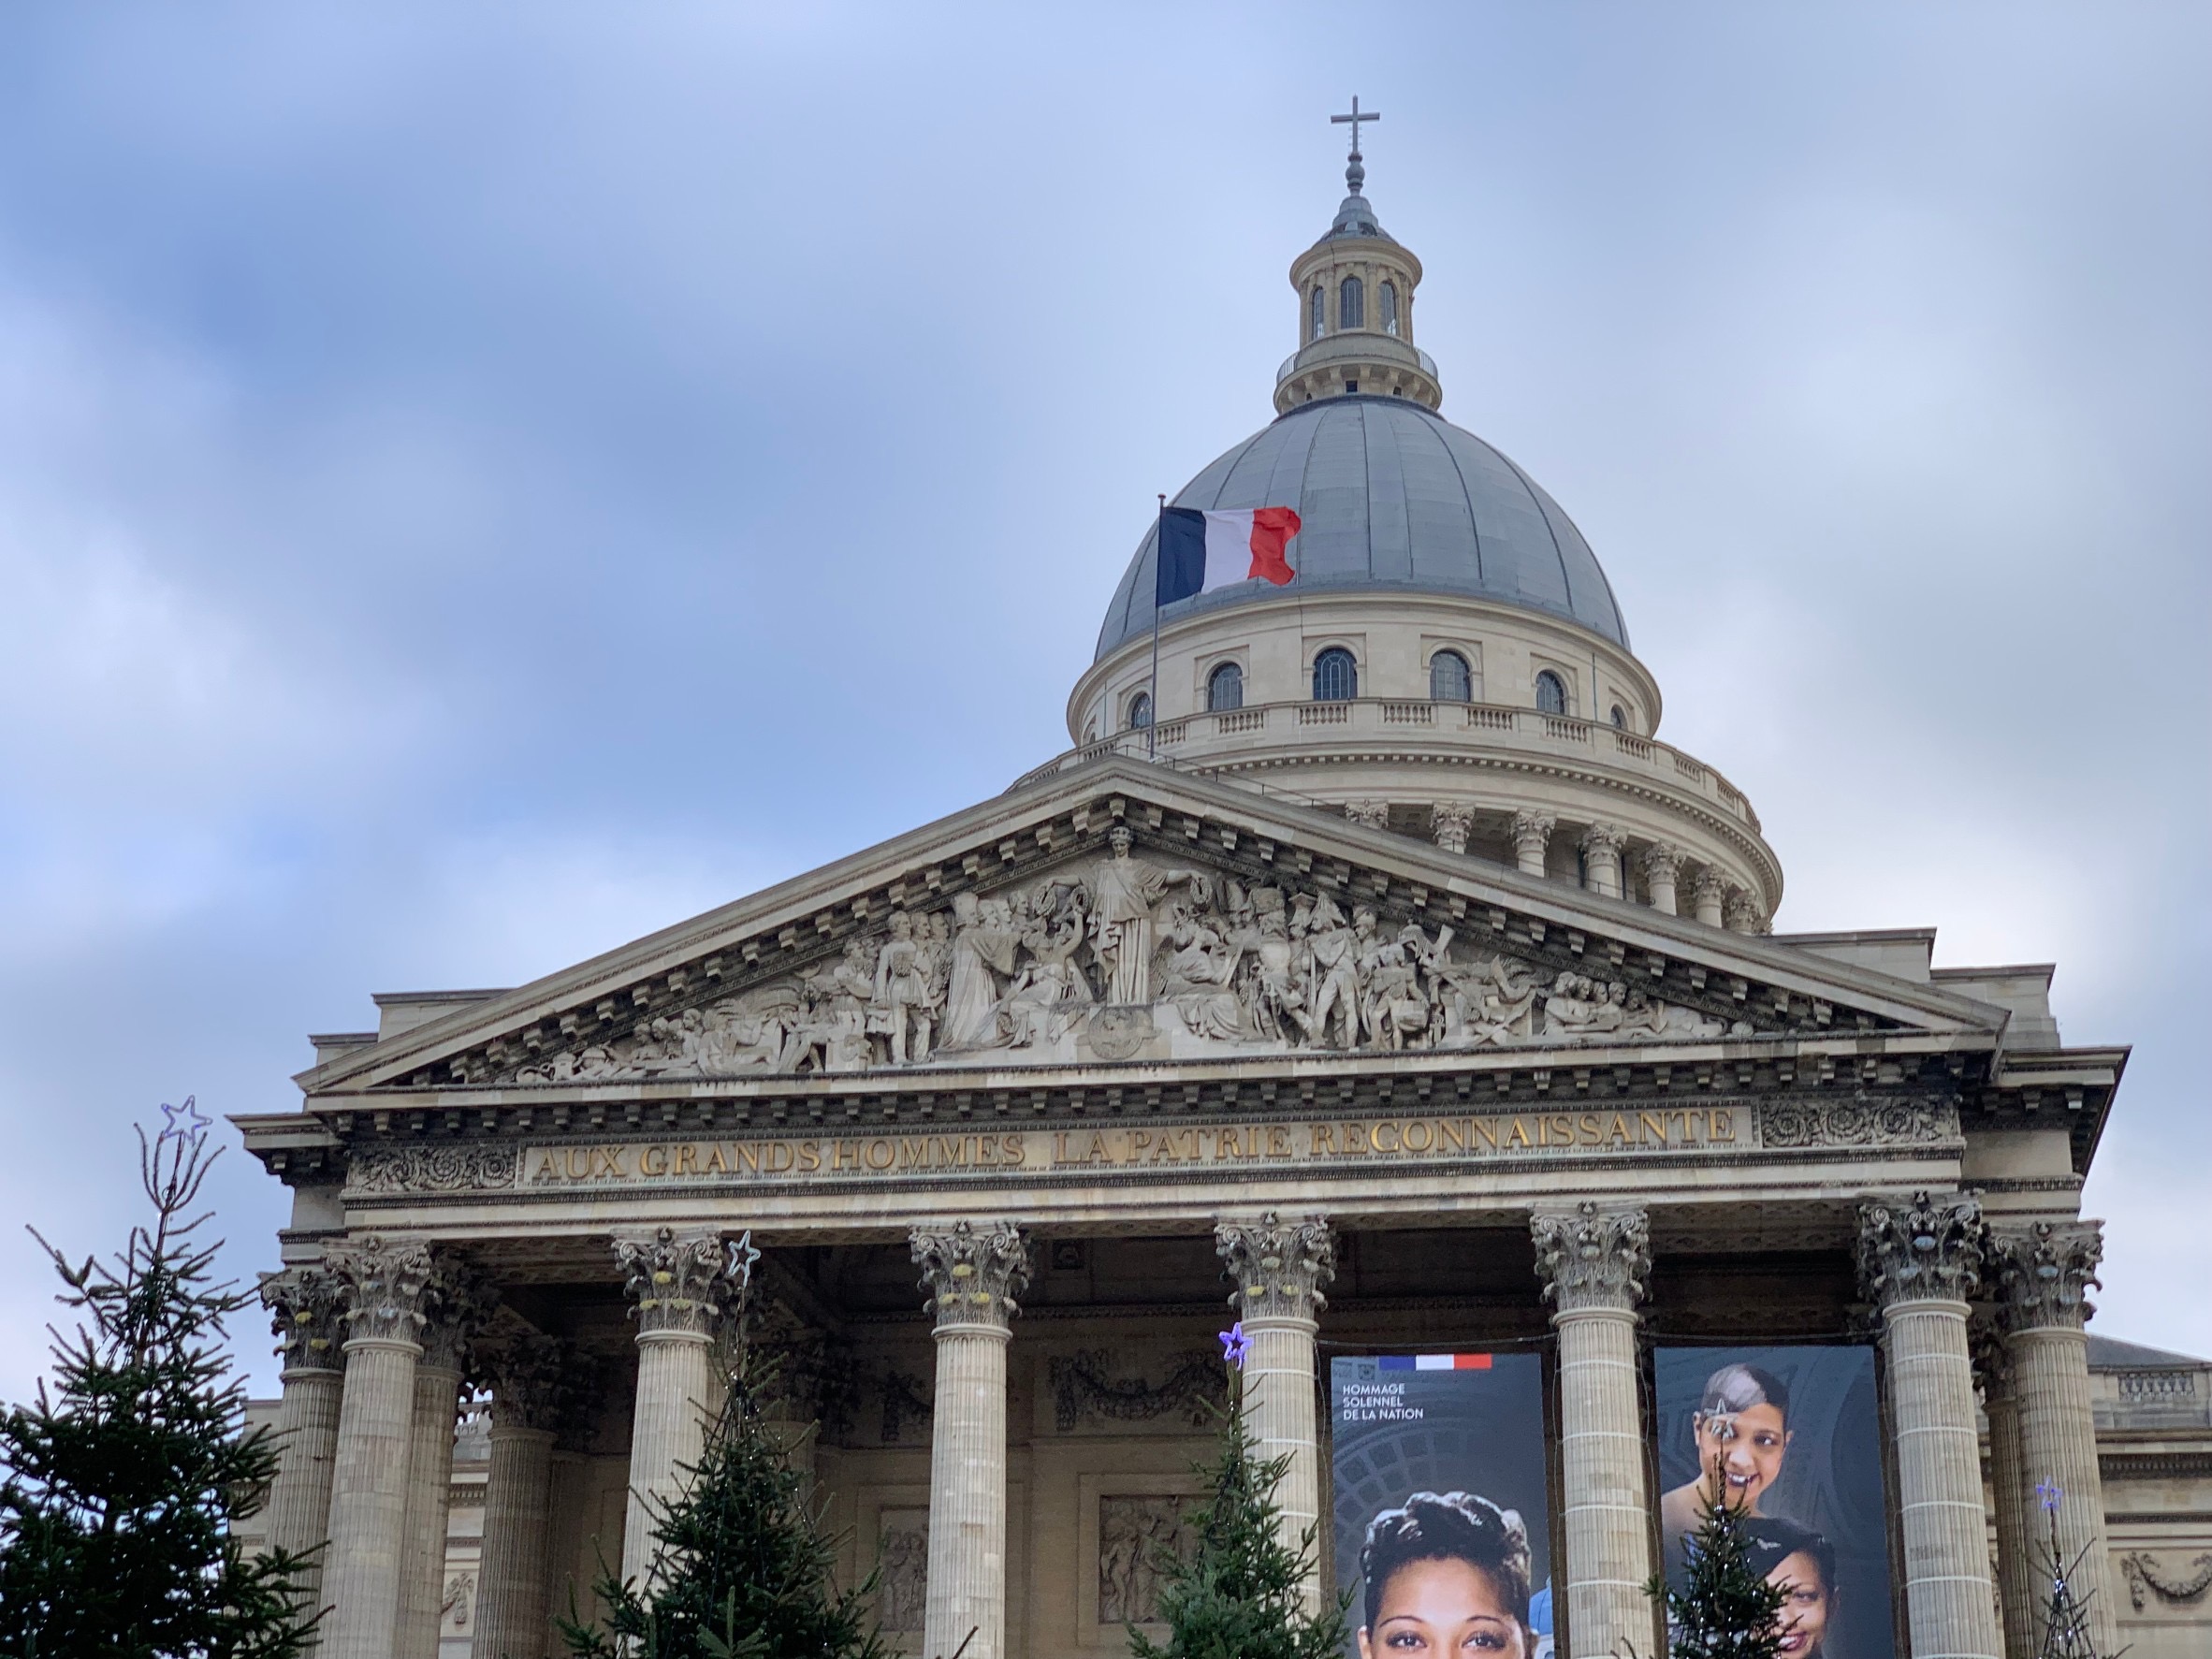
(1128, 912)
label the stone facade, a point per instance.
(1471, 1033)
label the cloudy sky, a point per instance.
(478, 486)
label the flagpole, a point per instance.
(1152, 696)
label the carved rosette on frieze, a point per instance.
(1857, 1123)
(1929, 1250)
(677, 1283)
(973, 1276)
(2044, 1273)
(383, 1286)
(307, 1315)
(1593, 1257)
(473, 1166)
(1278, 1268)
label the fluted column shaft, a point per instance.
(384, 1287)
(1601, 845)
(1532, 837)
(1920, 1263)
(1595, 1262)
(1663, 864)
(1706, 896)
(973, 1276)
(2043, 1274)
(513, 1580)
(306, 1316)
(678, 1287)
(299, 1498)
(968, 1492)
(430, 1490)
(2015, 1554)
(1279, 1269)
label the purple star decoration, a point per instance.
(2049, 1492)
(185, 1121)
(1235, 1344)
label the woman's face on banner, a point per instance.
(1444, 1609)
(1807, 1604)
(1748, 1444)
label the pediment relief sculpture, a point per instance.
(1127, 956)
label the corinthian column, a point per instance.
(1595, 1263)
(306, 1317)
(1663, 864)
(1920, 1263)
(1532, 836)
(972, 1279)
(383, 1286)
(533, 1391)
(2044, 1275)
(456, 1308)
(1279, 1271)
(1449, 822)
(1706, 894)
(678, 1286)
(1602, 844)
(2015, 1554)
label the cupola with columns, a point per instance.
(1355, 306)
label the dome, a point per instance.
(1395, 499)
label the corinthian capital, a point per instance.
(1593, 1258)
(2044, 1273)
(382, 1286)
(1372, 813)
(1663, 863)
(457, 1304)
(307, 1317)
(1929, 1250)
(675, 1284)
(1449, 822)
(973, 1277)
(1279, 1269)
(1604, 840)
(1710, 888)
(1742, 911)
(537, 1381)
(1531, 833)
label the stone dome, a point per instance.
(1395, 499)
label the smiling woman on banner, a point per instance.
(1741, 1427)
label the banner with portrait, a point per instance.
(1441, 1520)
(1793, 1435)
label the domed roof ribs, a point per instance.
(1467, 500)
(1567, 576)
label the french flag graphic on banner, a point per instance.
(1201, 551)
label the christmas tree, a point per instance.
(121, 1485)
(1725, 1608)
(1241, 1595)
(741, 1567)
(2065, 1615)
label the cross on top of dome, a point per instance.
(1355, 175)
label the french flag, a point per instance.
(1201, 551)
(1434, 1362)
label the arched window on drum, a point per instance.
(1320, 323)
(1337, 676)
(1387, 302)
(1225, 689)
(1450, 680)
(1551, 693)
(1140, 711)
(1351, 304)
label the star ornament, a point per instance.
(744, 1255)
(1235, 1344)
(2049, 1493)
(185, 1121)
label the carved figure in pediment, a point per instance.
(1124, 921)
(1334, 950)
(985, 940)
(901, 1007)
(1579, 1006)
(1644, 1016)
(1049, 992)
(1276, 985)
(1200, 974)
(1399, 1007)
